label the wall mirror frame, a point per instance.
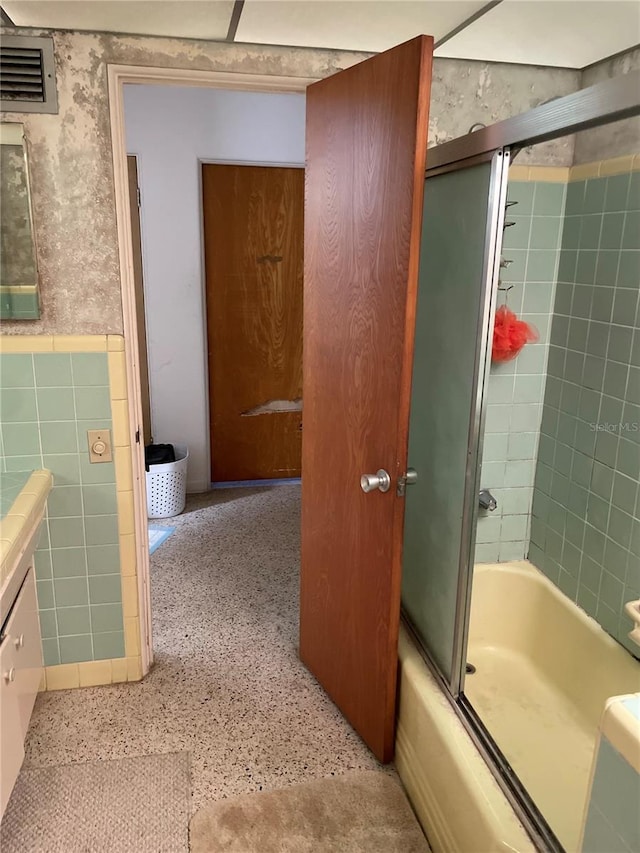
(19, 298)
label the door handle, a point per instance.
(380, 480)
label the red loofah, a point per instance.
(510, 335)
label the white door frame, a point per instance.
(118, 76)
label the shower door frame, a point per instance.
(602, 104)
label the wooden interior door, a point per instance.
(134, 205)
(253, 238)
(365, 175)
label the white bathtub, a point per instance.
(544, 671)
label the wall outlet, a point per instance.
(99, 445)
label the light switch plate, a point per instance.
(99, 445)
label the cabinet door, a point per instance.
(23, 632)
(11, 738)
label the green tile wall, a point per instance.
(585, 527)
(48, 401)
(613, 822)
(516, 388)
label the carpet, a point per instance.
(133, 805)
(360, 812)
(158, 535)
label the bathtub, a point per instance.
(544, 671)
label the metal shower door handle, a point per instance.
(380, 480)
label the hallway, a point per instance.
(227, 685)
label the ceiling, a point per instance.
(564, 33)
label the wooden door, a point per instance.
(134, 205)
(366, 153)
(253, 229)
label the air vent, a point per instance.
(27, 75)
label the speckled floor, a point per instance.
(227, 684)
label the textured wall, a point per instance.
(16, 242)
(71, 152)
(621, 137)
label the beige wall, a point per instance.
(71, 151)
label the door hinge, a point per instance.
(138, 197)
(138, 436)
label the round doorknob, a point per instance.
(380, 480)
(10, 675)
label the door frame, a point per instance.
(117, 77)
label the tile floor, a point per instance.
(227, 684)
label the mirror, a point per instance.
(18, 268)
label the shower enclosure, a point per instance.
(489, 593)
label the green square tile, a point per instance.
(585, 440)
(23, 463)
(519, 473)
(531, 359)
(65, 501)
(567, 266)
(633, 386)
(564, 296)
(543, 478)
(625, 303)
(525, 417)
(619, 529)
(635, 348)
(500, 389)
(66, 532)
(606, 448)
(106, 617)
(553, 391)
(615, 559)
(50, 652)
(56, 404)
(96, 472)
(560, 330)
(581, 469)
(101, 529)
(574, 366)
(586, 267)
(568, 584)
(21, 439)
(16, 371)
(615, 379)
(108, 645)
(590, 232)
(537, 299)
(611, 590)
(76, 649)
(522, 193)
(100, 500)
(58, 437)
(69, 562)
(545, 232)
(607, 268)
(633, 201)
(587, 600)
(630, 425)
(549, 199)
(495, 446)
(48, 625)
(92, 403)
(70, 592)
(522, 445)
(492, 472)
(578, 330)
(513, 528)
(556, 361)
(571, 554)
(528, 389)
(541, 265)
(571, 232)
(42, 563)
(594, 543)
(516, 269)
(52, 369)
(611, 234)
(105, 589)
(629, 270)
(103, 559)
(617, 193)
(620, 343)
(597, 512)
(73, 620)
(598, 339)
(602, 480)
(549, 422)
(516, 236)
(594, 195)
(90, 368)
(487, 553)
(563, 457)
(581, 302)
(591, 573)
(46, 600)
(65, 468)
(575, 198)
(628, 461)
(18, 405)
(574, 532)
(593, 372)
(602, 304)
(44, 542)
(631, 235)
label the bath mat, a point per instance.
(133, 805)
(360, 812)
(158, 535)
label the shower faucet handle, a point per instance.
(487, 500)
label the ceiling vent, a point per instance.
(27, 75)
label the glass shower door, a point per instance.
(462, 223)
